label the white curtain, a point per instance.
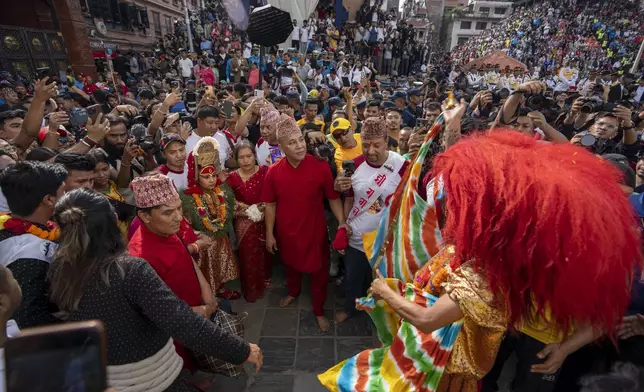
(299, 9)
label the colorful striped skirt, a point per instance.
(409, 360)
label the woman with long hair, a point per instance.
(92, 277)
(254, 260)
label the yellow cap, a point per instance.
(340, 124)
(314, 93)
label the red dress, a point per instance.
(254, 259)
(300, 223)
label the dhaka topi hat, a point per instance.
(153, 191)
(373, 128)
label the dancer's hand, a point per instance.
(379, 286)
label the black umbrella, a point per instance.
(269, 25)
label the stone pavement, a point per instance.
(295, 350)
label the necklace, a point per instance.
(216, 208)
(20, 226)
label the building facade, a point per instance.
(477, 17)
(133, 25)
(58, 33)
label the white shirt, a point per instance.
(247, 49)
(361, 181)
(335, 83)
(315, 77)
(295, 35)
(225, 151)
(358, 73)
(381, 34)
(186, 67)
(267, 154)
(134, 65)
(639, 94)
(304, 34)
(180, 180)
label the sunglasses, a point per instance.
(343, 133)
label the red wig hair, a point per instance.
(546, 223)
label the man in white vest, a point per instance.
(378, 172)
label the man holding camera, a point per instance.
(376, 174)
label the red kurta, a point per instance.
(172, 262)
(300, 224)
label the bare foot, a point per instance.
(341, 317)
(286, 301)
(323, 322)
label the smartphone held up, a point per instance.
(65, 357)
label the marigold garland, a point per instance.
(220, 220)
(20, 226)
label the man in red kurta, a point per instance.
(161, 239)
(294, 191)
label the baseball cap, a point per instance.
(292, 94)
(169, 138)
(340, 124)
(314, 93)
(387, 105)
(399, 94)
(335, 101)
(414, 92)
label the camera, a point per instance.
(146, 143)
(322, 150)
(140, 119)
(588, 140)
(539, 102)
(497, 96)
(594, 105)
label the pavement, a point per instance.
(295, 350)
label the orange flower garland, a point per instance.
(220, 220)
(21, 227)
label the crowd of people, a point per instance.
(547, 35)
(137, 197)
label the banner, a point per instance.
(341, 14)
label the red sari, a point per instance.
(254, 259)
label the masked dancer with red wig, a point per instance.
(505, 233)
(209, 205)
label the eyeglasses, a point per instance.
(606, 125)
(338, 135)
